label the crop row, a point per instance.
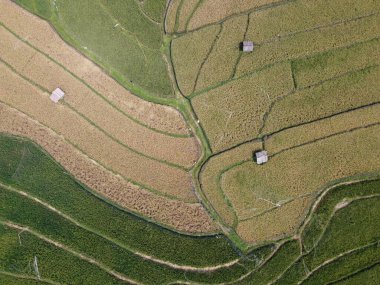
(41, 70)
(41, 36)
(173, 213)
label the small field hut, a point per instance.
(261, 157)
(247, 46)
(57, 95)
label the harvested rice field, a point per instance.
(189, 142)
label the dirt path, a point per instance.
(140, 254)
(101, 266)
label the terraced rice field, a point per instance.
(143, 253)
(145, 172)
(307, 91)
(94, 110)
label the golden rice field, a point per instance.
(187, 64)
(172, 213)
(299, 172)
(211, 11)
(234, 113)
(135, 153)
(41, 35)
(308, 94)
(220, 64)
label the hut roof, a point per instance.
(57, 95)
(247, 46)
(261, 157)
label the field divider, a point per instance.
(279, 99)
(246, 12)
(82, 256)
(28, 277)
(199, 3)
(319, 27)
(145, 15)
(325, 137)
(311, 212)
(252, 72)
(94, 90)
(214, 42)
(281, 203)
(45, 90)
(233, 74)
(266, 136)
(82, 152)
(335, 258)
(137, 253)
(354, 273)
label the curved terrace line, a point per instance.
(112, 137)
(82, 256)
(137, 253)
(93, 89)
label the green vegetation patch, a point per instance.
(315, 69)
(368, 276)
(155, 9)
(25, 166)
(115, 34)
(18, 251)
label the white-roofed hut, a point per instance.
(57, 95)
(247, 46)
(261, 157)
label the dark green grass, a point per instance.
(40, 7)
(25, 166)
(369, 276)
(353, 262)
(322, 214)
(287, 254)
(343, 232)
(130, 51)
(53, 226)
(53, 263)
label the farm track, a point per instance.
(316, 243)
(75, 253)
(28, 277)
(117, 243)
